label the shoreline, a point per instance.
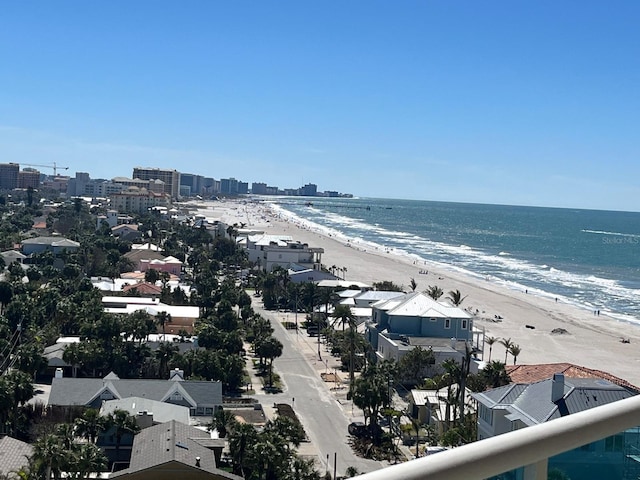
(592, 341)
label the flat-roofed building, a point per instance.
(137, 200)
(171, 178)
(9, 175)
(28, 178)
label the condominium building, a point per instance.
(171, 178)
(29, 178)
(9, 175)
(137, 200)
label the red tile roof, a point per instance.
(536, 373)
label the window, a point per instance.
(486, 414)
(447, 323)
(614, 443)
(176, 397)
(464, 324)
(433, 319)
(107, 395)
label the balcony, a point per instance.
(525, 453)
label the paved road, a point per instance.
(325, 419)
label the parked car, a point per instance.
(357, 429)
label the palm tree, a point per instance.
(434, 292)
(123, 423)
(507, 343)
(490, 341)
(270, 349)
(89, 459)
(412, 284)
(222, 421)
(90, 424)
(165, 352)
(163, 318)
(455, 297)
(343, 314)
(49, 454)
(495, 374)
(241, 439)
(515, 351)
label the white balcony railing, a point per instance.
(529, 447)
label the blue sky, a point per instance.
(513, 102)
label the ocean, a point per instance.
(588, 258)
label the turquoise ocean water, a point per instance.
(589, 258)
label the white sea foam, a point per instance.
(617, 234)
(585, 291)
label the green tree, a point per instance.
(89, 459)
(490, 341)
(343, 314)
(515, 350)
(49, 456)
(434, 292)
(455, 297)
(162, 318)
(242, 438)
(415, 364)
(387, 286)
(90, 424)
(495, 374)
(270, 349)
(507, 344)
(222, 421)
(123, 424)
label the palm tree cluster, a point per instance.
(268, 454)
(61, 454)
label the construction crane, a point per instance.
(54, 166)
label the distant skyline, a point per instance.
(522, 103)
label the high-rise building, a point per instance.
(193, 182)
(258, 188)
(9, 175)
(309, 190)
(231, 186)
(77, 186)
(29, 177)
(171, 178)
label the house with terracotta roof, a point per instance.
(143, 288)
(538, 372)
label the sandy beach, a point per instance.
(593, 341)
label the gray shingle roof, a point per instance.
(172, 442)
(13, 454)
(81, 391)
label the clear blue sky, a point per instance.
(534, 103)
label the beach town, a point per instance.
(560, 333)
